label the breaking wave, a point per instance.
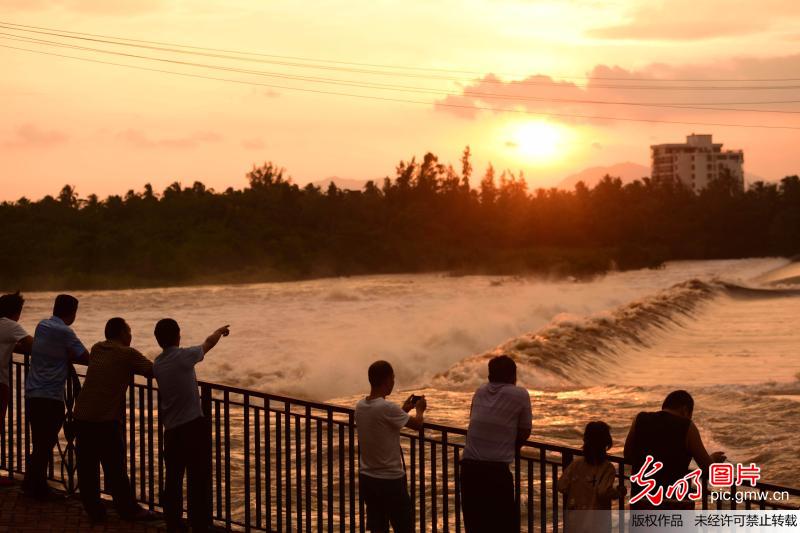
(571, 351)
(784, 276)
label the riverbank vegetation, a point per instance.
(429, 216)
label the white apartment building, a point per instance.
(696, 162)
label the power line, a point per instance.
(418, 102)
(121, 41)
(403, 88)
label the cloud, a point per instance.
(608, 94)
(253, 144)
(142, 140)
(507, 95)
(97, 7)
(534, 94)
(692, 20)
(31, 136)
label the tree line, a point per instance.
(427, 217)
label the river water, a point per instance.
(727, 331)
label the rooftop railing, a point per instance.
(285, 464)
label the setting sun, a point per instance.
(541, 141)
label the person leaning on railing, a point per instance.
(13, 338)
(671, 438)
(382, 476)
(187, 435)
(500, 423)
(55, 346)
(99, 414)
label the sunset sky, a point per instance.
(107, 129)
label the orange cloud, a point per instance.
(692, 20)
(142, 140)
(31, 136)
(253, 144)
(97, 7)
(611, 91)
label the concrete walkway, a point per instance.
(19, 513)
(22, 513)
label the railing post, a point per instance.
(422, 527)
(28, 441)
(20, 425)
(246, 446)
(205, 404)
(351, 458)
(446, 487)
(566, 459)
(7, 439)
(621, 502)
(517, 491)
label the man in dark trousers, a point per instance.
(671, 438)
(55, 346)
(99, 415)
(187, 435)
(382, 476)
(499, 423)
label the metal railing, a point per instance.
(284, 464)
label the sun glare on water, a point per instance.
(538, 141)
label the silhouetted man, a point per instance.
(500, 422)
(670, 437)
(55, 346)
(187, 435)
(13, 338)
(382, 476)
(99, 414)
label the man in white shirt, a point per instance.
(187, 433)
(13, 338)
(382, 476)
(499, 423)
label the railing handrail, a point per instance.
(534, 444)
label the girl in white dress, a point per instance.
(588, 483)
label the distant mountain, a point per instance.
(342, 183)
(627, 172)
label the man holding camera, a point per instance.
(382, 475)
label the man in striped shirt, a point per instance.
(499, 423)
(99, 413)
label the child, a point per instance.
(588, 483)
